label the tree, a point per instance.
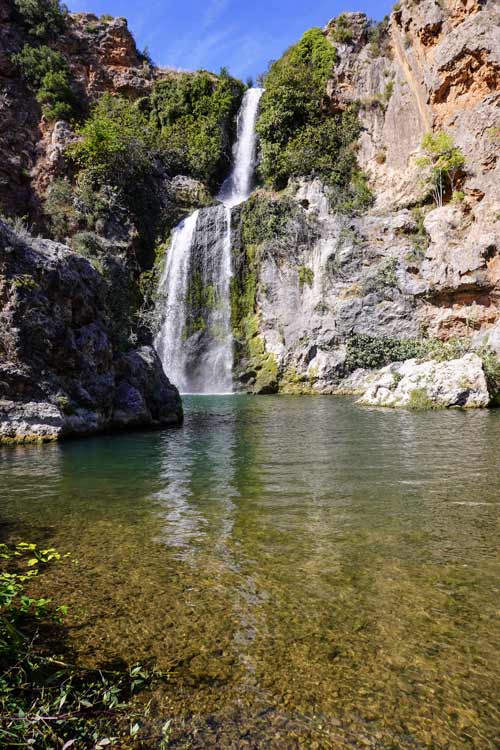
(441, 163)
(45, 19)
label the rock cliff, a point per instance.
(406, 269)
(60, 373)
(319, 292)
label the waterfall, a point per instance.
(239, 185)
(195, 340)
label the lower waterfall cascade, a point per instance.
(195, 341)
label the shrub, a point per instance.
(378, 38)
(342, 32)
(195, 115)
(369, 352)
(47, 73)
(298, 137)
(441, 164)
(116, 143)
(59, 209)
(306, 276)
(44, 19)
(35, 62)
(56, 97)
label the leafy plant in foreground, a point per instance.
(46, 703)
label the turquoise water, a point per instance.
(310, 573)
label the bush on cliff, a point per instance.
(116, 143)
(441, 164)
(47, 73)
(195, 115)
(299, 137)
(44, 19)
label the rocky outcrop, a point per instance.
(406, 269)
(61, 373)
(423, 385)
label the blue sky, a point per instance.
(240, 34)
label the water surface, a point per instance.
(308, 572)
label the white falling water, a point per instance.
(195, 340)
(173, 282)
(239, 185)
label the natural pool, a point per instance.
(309, 573)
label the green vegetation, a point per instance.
(60, 210)
(194, 115)
(418, 237)
(306, 276)
(266, 217)
(420, 400)
(369, 352)
(342, 33)
(47, 73)
(378, 38)
(298, 136)
(441, 164)
(117, 144)
(45, 702)
(44, 19)
(200, 300)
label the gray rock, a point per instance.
(60, 374)
(413, 384)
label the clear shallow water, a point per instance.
(311, 573)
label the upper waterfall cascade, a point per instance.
(195, 339)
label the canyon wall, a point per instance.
(405, 269)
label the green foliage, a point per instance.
(35, 62)
(491, 367)
(56, 97)
(60, 210)
(298, 136)
(371, 353)
(116, 144)
(266, 218)
(306, 276)
(194, 115)
(342, 32)
(24, 281)
(441, 164)
(378, 37)
(44, 702)
(458, 197)
(419, 400)
(47, 74)
(200, 300)
(419, 237)
(44, 19)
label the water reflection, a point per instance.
(323, 571)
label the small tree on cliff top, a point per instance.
(441, 163)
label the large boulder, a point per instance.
(60, 372)
(414, 384)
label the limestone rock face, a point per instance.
(400, 271)
(60, 372)
(455, 383)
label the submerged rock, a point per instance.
(60, 372)
(414, 384)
